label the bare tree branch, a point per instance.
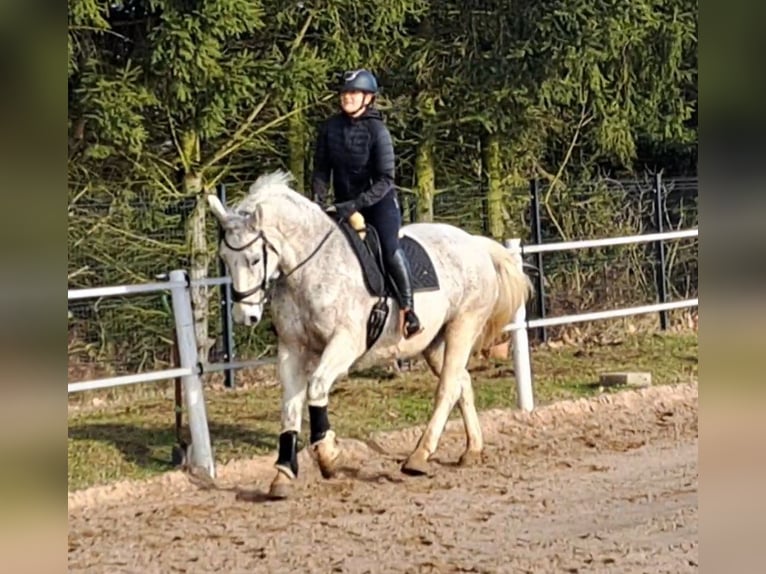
(584, 120)
(237, 139)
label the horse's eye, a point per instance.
(255, 261)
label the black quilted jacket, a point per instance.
(360, 156)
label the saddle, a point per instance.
(365, 244)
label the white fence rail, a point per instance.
(128, 380)
(598, 315)
(190, 368)
(609, 241)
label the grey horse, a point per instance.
(281, 245)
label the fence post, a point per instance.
(521, 363)
(200, 451)
(226, 320)
(537, 234)
(661, 272)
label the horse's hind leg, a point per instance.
(474, 439)
(459, 338)
(434, 356)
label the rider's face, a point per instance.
(352, 102)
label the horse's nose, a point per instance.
(252, 320)
(246, 314)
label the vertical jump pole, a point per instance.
(200, 451)
(661, 267)
(226, 319)
(537, 233)
(521, 363)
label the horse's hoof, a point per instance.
(279, 491)
(417, 464)
(470, 458)
(281, 487)
(327, 452)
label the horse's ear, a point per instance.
(217, 207)
(256, 219)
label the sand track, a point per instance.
(601, 485)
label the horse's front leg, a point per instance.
(337, 357)
(293, 376)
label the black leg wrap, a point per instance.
(288, 451)
(319, 423)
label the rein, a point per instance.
(238, 296)
(310, 255)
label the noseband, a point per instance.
(239, 296)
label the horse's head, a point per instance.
(250, 256)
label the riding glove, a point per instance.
(344, 209)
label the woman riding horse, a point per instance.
(355, 147)
(279, 243)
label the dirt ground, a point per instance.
(601, 485)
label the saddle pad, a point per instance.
(367, 251)
(424, 276)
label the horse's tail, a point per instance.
(514, 290)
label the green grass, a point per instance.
(135, 441)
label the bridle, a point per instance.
(239, 296)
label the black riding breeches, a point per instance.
(386, 218)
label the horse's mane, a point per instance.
(274, 185)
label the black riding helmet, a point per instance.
(361, 80)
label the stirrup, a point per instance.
(409, 324)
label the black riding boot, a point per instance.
(399, 269)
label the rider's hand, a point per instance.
(344, 209)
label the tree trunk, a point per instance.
(424, 103)
(493, 168)
(405, 200)
(296, 143)
(196, 240)
(425, 187)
